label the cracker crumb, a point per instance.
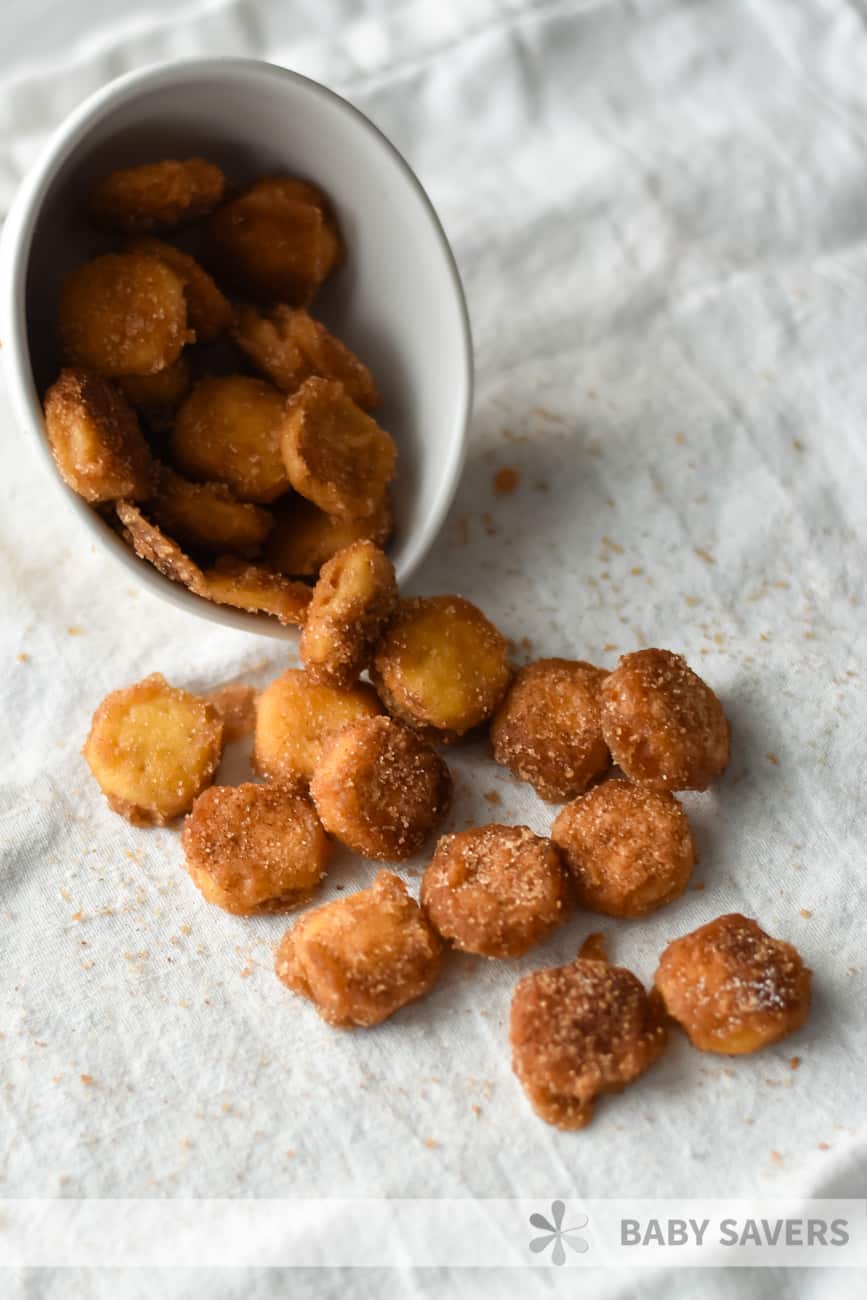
(431, 1143)
(74, 631)
(772, 758)
(824, 1146)
(87, 1080)
(477, 1110)
(794, 1062)
(806, 913)
(704, 555)
(776, 1157)
(551, 416)
(23, 658)
(593, 948)
(493, 797)
(506, 480)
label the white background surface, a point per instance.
(659, 213)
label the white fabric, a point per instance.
(659, 214)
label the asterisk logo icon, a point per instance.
(556, 1233)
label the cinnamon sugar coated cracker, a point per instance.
(380, 789)
(152, 748)
(295, 719)
(123, 314)
(208, 515)
(629, 849)
(732, 987)
(304, 537)
(353, 600)
(664, 725)
(277, 241)
(362, 957)
(151, 544)
(157, 195)
(95, 438)
(256, 589)
(209, 312)
(228, 431)
(157, 396)
(495, 890)
(255, 848)
(548, 730)
(441, 666)
(236, 706)
(288, 346)
(579, 1032)
(336, 455)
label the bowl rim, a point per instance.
(16, 241)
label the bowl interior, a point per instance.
(396, 300)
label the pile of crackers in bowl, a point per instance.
(221, 427)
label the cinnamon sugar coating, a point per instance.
(495, 890)
(732, 987)
(380, 789)
(548, 730)
(362, 957)
(580, 1031)
(255, 848)
(629, 849)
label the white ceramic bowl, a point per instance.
(397, 300)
